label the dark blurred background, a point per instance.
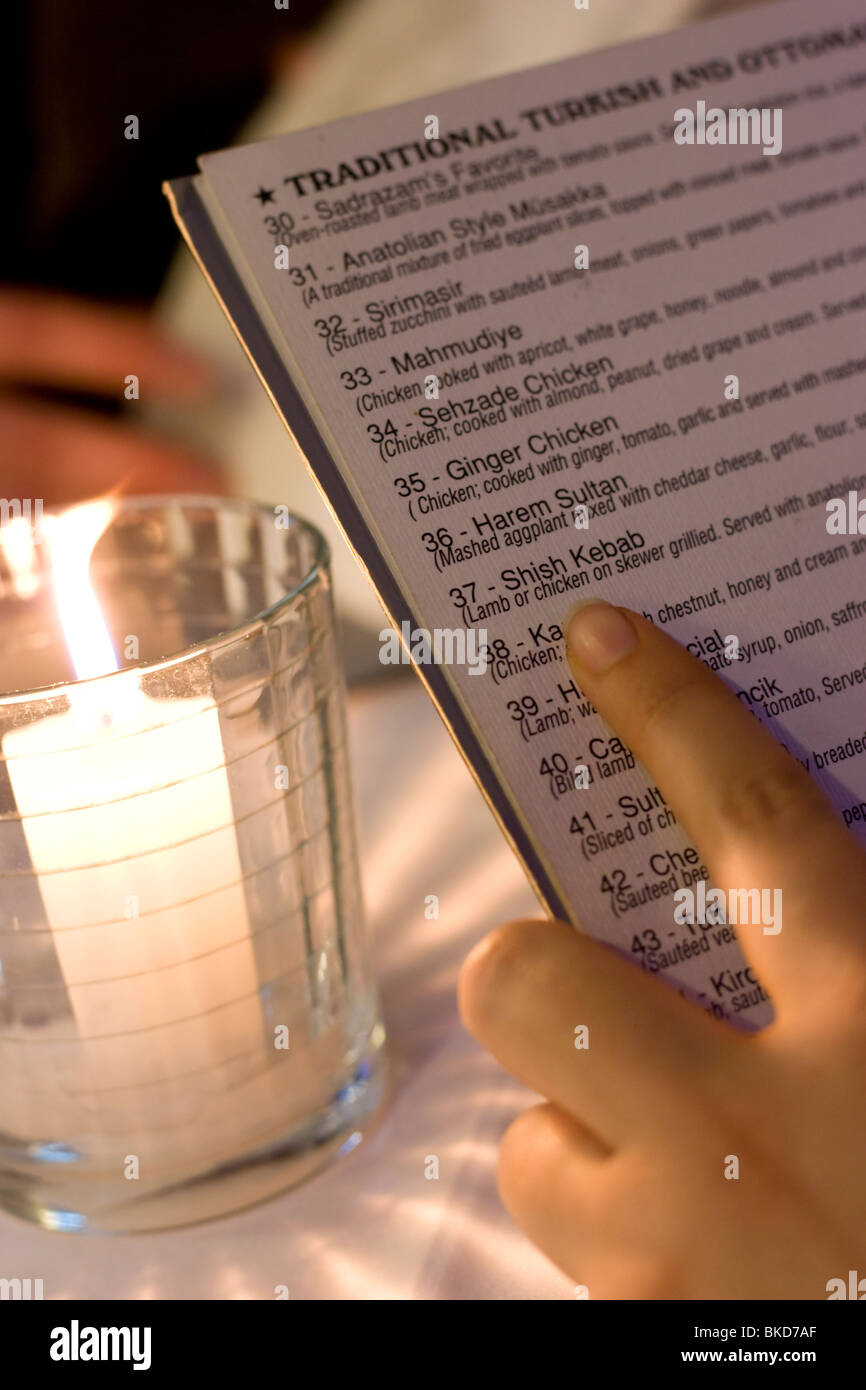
(84, 211)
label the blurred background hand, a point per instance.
(57, 355)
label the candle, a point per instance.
(127, 815)
(185, 996)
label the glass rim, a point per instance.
(140, 502)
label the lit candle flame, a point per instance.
(70, 538)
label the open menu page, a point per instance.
(597, 329)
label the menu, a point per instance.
(590, 329)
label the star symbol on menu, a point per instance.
(265, 195)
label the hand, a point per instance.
(620, 1177)
(64, 454)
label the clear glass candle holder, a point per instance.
(188, 1018)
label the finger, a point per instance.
(548, 1178)
(64, 456)
(71, 342)
(576, 1022)
(586, 1210)
(756, 816)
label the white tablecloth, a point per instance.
(372, 1226)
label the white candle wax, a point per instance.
(129, 827)
(127, 815)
